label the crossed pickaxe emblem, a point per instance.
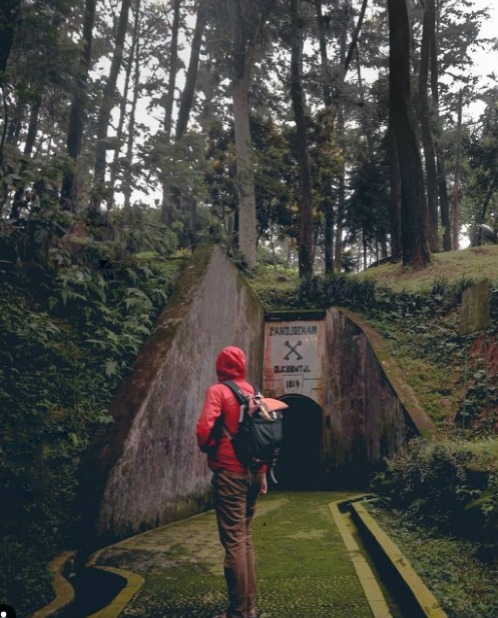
(293, 349)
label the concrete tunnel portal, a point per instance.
(343, 416)
(293, 372)
(348, 406)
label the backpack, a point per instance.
(259, 437)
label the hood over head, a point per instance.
(231, 363)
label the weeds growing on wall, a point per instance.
(421, 330)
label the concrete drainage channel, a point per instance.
(391, 586)
(94, 592)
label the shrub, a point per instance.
(445, 485)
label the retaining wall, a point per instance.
(369, 411)
(153, 469)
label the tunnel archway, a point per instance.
(298, 466)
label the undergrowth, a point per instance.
(69, 331)
(439, 502)
(463, 583)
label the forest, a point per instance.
(325, 134)
(314, 136)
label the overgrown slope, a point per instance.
(68, 335)
(418, 312)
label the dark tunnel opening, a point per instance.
(298, 466)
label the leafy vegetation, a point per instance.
(462, 581)
(445, 485)
(439, 502)
(69, 332)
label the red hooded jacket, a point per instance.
(220, 401)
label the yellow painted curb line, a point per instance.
(365, 574)
(427, 602)
(64, 592)
(133, 584)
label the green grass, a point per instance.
(452, 267)
(475, 264)
(464, 585)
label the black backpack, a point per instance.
(259, 437)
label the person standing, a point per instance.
(236, 488)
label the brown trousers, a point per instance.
(235, 496)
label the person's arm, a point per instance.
(211, 411)
(264, 485)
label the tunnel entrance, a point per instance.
(298, 466)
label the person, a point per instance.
(236, 488)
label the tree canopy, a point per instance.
(177, 105)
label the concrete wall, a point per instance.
(369, 412)
(154, 472)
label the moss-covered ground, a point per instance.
(303, 567)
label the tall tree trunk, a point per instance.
(426, 120)
(366, 126)
(130, 64)
(476, 241)
(34, 113)
(341, 192)
(444, 201)
(10, 11)
(173, 69)
(246, 31)
(455, 201)
(355, 37)
(127, 179)
(12, 126)
(69, 195)
(106, 107)
(328, 254)
(168, 205)
(324, 61)
(414, 207)
(187, 96)
(341, 178)
(395, 198)
(305, 249)
(245, 174)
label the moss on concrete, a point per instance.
(416, 414)
(303, 566)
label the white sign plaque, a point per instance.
(293, 358)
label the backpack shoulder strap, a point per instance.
(241, 398)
